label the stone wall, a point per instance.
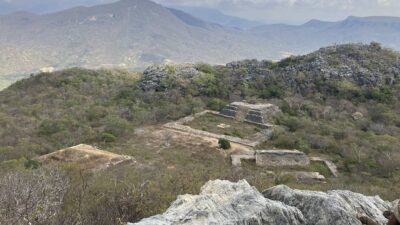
(178, 126)
(229, 111)
(331, 166)
(281, 158)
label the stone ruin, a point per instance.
(86, 157)
(281, 158)
(261, 114)
(274, 158)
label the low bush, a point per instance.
(107, 138)
(32, 164)
(224, 144)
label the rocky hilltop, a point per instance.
(363, 64)
(225, 203)
(355, 65)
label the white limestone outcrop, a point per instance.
(227, 203)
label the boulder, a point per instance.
(333, 207)
(357, 116)
(227, 203)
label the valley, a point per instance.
(337, 105)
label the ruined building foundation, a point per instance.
(281, 158)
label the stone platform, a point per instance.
(261, 114)
(281, 158)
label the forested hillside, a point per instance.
(341, 101)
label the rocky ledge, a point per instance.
(227, 203)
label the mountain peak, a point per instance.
(215, 16)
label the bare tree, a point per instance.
(296, 102)
(357, 152)
(33, 197)
(112, 202)
(388, 163)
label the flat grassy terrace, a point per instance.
(220, 125)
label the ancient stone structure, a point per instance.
(281, 158)
(227, 203)
(261, 114)
(86, 157)
(178, 125)
(237, 159)
(330, 165)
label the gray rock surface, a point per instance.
(227, 203)
(333, 207)
(153, 76)
(349, 62)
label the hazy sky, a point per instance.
(270, 11)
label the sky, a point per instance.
(268, 11)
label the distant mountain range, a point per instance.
(131, 33)
(137, 33)
(216, 16)
(315, 33)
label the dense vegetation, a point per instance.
(341, 102)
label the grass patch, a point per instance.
(321, 168)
